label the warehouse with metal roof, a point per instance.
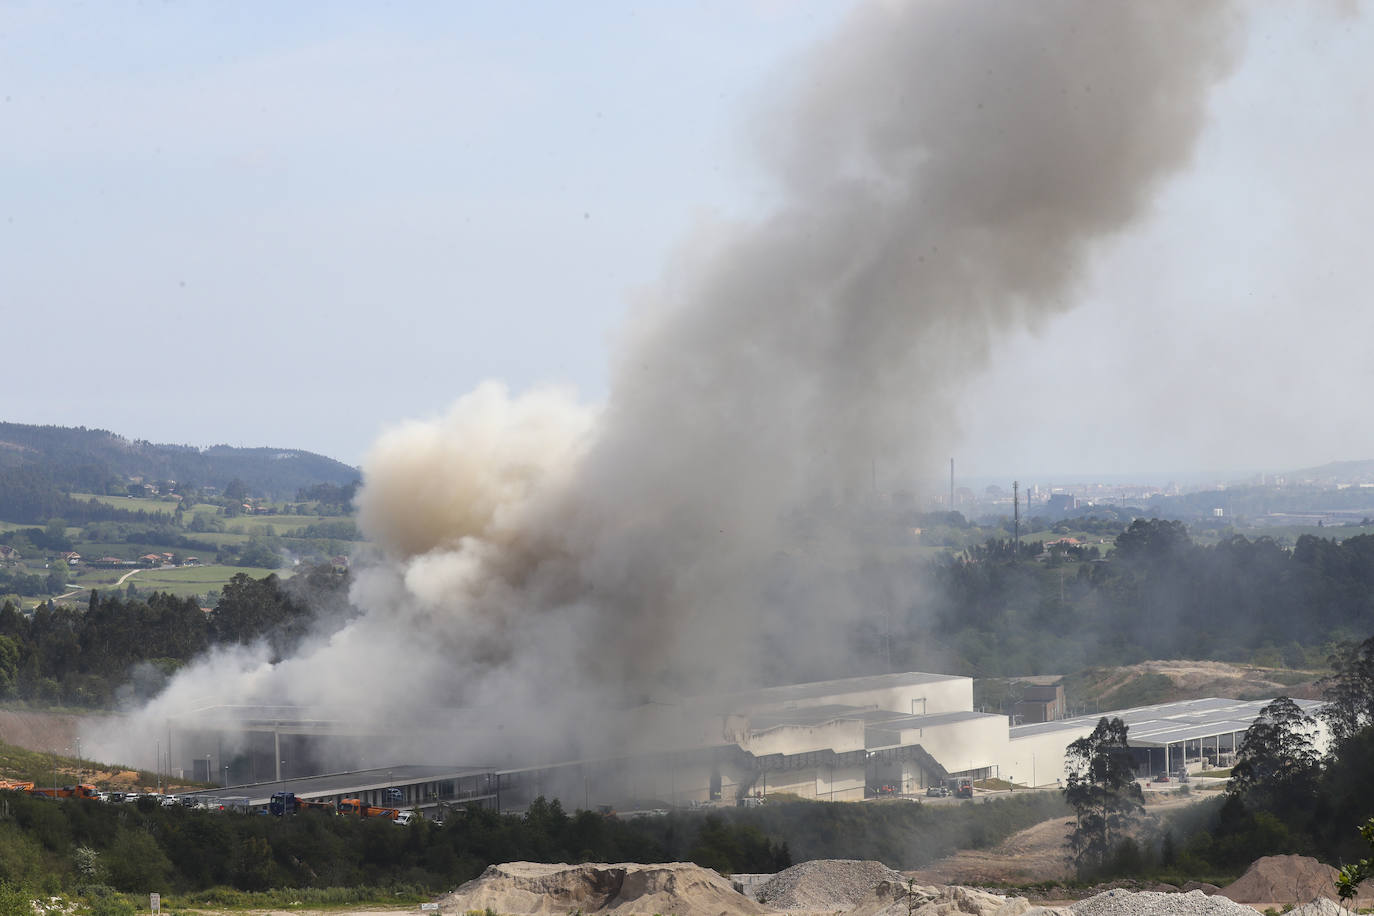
(1167, 737)
(842, 739)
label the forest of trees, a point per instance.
(119, 650)
(136, 848)
(989, 611)
(1157, 595)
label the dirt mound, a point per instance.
(1035, 854)
(825, 884)
(680, 888)
(1162, 681)
(38, 731)
(1283, 879)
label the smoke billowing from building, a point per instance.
(943, 170)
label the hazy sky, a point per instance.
(298, 225)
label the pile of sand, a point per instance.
(1283, 879)
(680, 888)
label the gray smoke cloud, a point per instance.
(943, 170)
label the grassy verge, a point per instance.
(313, 898)
(39, 767)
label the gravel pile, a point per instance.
(825, 884)
(1154, 903)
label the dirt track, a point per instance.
(1033, 855)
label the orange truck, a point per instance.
(15, 786)
(81, 791)
(356, 806)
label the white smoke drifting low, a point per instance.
(944, 169)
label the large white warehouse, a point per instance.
(835, 740)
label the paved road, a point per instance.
(86, 588)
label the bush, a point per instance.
(14, 900)
(104, 901)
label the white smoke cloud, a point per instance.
(944, 168)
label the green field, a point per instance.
(182, 582)
(197, 580)
(89, 577)
(218, 538)
(165, 506)
(278, 525)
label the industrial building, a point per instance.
(840, 740)
(1188, 734)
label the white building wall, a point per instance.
(842, 783)
(840, 735)
(1039, 759)
(969, 744)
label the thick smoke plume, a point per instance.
(943, 170)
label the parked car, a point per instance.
(938, 791)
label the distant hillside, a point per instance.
(98, 461)
(1336, 472)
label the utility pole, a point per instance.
(887, 638)
(1016, 519)
(951, 484)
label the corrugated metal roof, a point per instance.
(769, 696)
(1168, 723)
(347, 783)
